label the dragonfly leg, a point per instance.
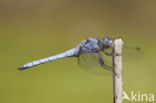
(109, 54)
(103, 65)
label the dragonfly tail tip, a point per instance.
(21, 68)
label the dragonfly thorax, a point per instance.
(90, 45)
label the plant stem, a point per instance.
(117, 70)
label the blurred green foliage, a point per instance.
(31, 30)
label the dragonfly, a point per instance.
(91, 52)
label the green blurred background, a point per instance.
(34, 29)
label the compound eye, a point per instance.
(107, 39)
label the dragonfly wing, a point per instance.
(90, 63)
(132, 53)
(129, 53)
(88, 60)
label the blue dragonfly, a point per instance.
(91, 53)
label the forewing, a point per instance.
(132, 53)
(129, 53)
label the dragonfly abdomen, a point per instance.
(69, 53)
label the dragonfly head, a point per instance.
(107, 42)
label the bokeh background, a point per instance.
(34, 29)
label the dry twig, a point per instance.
(117, 70)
